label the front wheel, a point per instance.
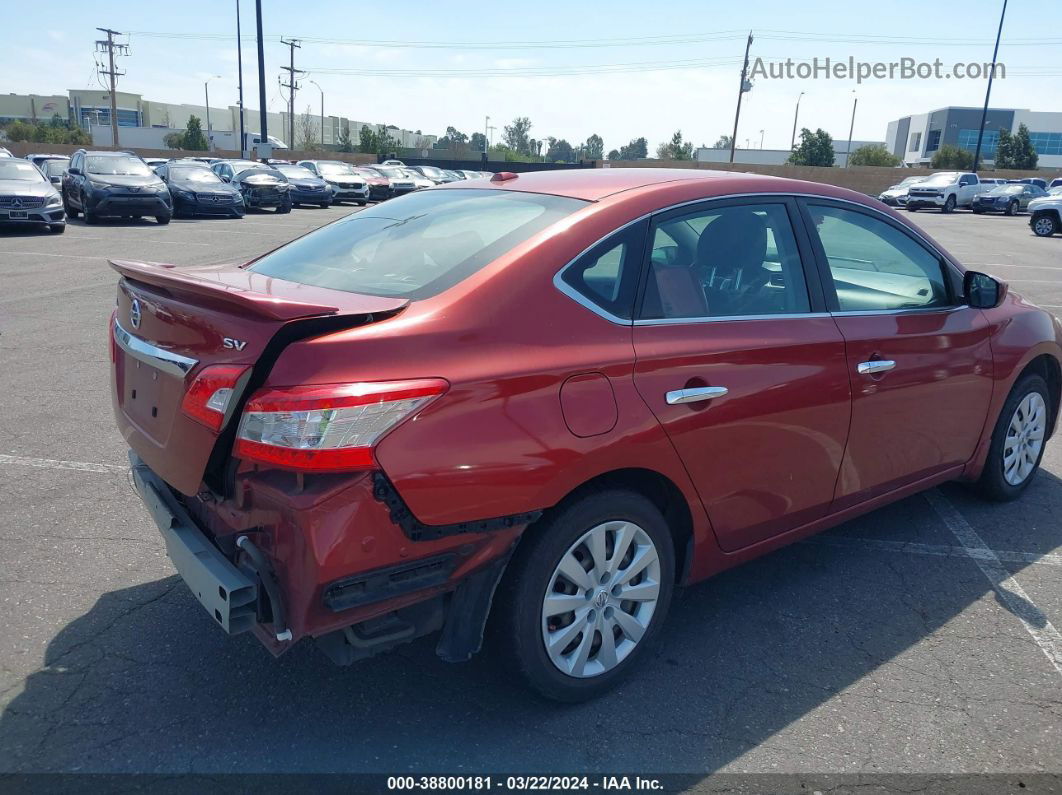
(949, 205)
(57, 229)
(1012, 208)
(71, 212)
(585, 595)
(325, 205)
(1017, 440)
(1044, 225)
(911, 209)
(162, 220)
(283, 208)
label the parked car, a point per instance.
(54, 168)
(154, 162)
(5, 152)
(399, 179)
(102, 184)
(379, 185)
(263, 187)
(419, 180)
(436, 175)
(944, 190)
(344, 182)
(1055, 183)
(456, 175)
(196, 190)
(392, 162)
(896, 195)
(1008, 199)
(470, 174)
(227, 169)
(1045, 214)
(1037, 181)
(389, 442)
(986, 184)
(27, 197)
(306, 187)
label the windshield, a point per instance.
(195, 174)
(118, 166)
(366, 173)
(418, 245)
(1004, 190)
(19, 170)
(55, 168)
(935, 181)
(910, 181)
(391, 171)
(296, 172)
(431, 171)
(335, 169)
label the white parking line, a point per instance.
(52, 463)
(49, 254)
(936, 550)
(1006, 587)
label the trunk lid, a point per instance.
(172, 322)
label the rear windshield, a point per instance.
(418, 245)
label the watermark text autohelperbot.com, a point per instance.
(851, 69)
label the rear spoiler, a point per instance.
(260, 295)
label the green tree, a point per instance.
(367, 140)
(174, 140)
(478, 142)
(560, 151)
(1024, 153)
(595, 147)
(613, 154)
(873, 155)
(1005, 149)
(193, 139)
(516, 135)
(723, 142)
(637, 149)
(814, 149)
(345, 144)
(952, 157)
(307, 133)
(676, 148)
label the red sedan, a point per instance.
(538, 403)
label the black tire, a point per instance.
(325, 205)
(363, 202)
(949, 204)
(1043, 225)
(993, 483)
(71, 212)
(911, 209)
(90, 216)
(283, 209)
(1012, 208)
(57, 229)
(977, 211)
(162, 220)
(516, 621)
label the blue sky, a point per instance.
(575, 98)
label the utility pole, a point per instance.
(239, 69)
(792, 140)
(486, 132)
(848, 157)
(110, 47)
(745, 86)
(262, 113)
(988, 90)
(292, 86)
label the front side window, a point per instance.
(734, 261)
(418, 245)
(875, 266)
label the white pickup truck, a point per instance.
(944, 191)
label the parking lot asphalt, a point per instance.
(921, 638)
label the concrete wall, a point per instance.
(870, 180)
(27, 107)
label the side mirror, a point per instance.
(981, 291)
(74, 171)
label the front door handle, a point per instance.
(875, 366)
(695, 394)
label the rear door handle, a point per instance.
(875, 366)
(695, 394)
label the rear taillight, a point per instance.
(328, 427)
(207, 399)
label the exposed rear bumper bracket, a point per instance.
(384, 491)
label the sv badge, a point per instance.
(234, 344)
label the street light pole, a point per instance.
(263, 115)
(988, 89)
(761, 139)
(206, 92)
(239, 69)
(796, 113)
(322, 109)
(848, 157)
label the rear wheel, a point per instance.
(911, 209)
(1017, 440)
(325, 205)
(585, 595)
(949, 205)
(1012, 208)
(283, 208)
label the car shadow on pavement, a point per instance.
(145, 682)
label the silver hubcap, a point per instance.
(1025, 439)
(600, 599)
(1044, 225)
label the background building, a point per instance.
(773, 157)
(916, 138)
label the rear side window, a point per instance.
(607, 275)
(418, 245)
(875, 266)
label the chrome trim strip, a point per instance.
(585, 302)
(159, 358)
(697, 394)
(670, 321)
(875, 366)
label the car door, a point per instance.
(919, 359)
(742, 364)
(968, 188)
